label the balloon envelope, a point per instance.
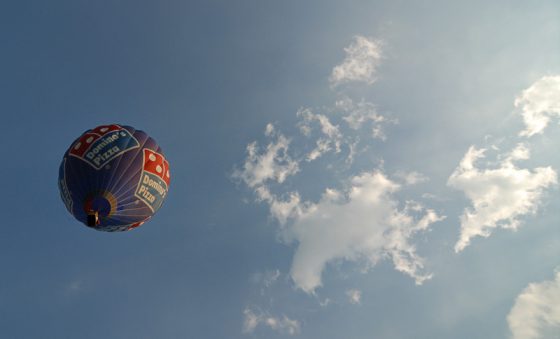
(113, 178)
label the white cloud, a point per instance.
(539, 102)
(250, 321)
(270, 277)
(354, 296)
(283, 324)
(332, 138)
(272, 164)
(280, 209)
(499, 196)
(411, 178)
(325, 303)
(536, 312)
(266, 278)
(362, 59)
(358, 114)
(363, 223)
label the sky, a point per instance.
(340, 169)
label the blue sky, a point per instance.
(357, 169)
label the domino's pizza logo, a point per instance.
(102, 144)
(154, 181)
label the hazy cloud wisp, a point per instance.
(354, 296)
(283, 324)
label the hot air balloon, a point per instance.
(113, 178)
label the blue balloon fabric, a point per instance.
(113, 178)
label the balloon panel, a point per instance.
(117, 172)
